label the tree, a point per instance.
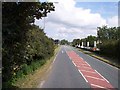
(110, 39)
(63, 42)
(104, 33)
(76, 42)
(91, 40)
(18, 34)
(57, 41)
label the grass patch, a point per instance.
(31, 79)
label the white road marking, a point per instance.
(82, 75)
(62, 51)
(88, 71)
(81, 58)
(41, 84)
(83, 64)
(87, 63)
(97, 86)
(91, 72)
(49, 68)
(102, 76)
(94, 78)
(54, 59)
(56, 56)
(73, 63)
(85, 67)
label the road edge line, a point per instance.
(83, 76)
(102, 76)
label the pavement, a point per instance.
(74, 69)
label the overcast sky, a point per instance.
(72, 19)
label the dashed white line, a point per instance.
(88, 71)
(102, 76)
(83, 64)
(42, 83)
(87, 63)
(81, 58)
(85, 67)
(69, 56)
(54, 59)
(94, 78)
(97, 86)
(82, 75)
(73, 63)
(49, 68)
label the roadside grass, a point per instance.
(100, 58)
(32, 80)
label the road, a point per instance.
(74, 69)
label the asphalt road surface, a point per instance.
(74, 69)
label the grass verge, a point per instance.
(100, 58)
(32, 80)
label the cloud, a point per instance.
(113, 21)
(69, 22)
(66, 13)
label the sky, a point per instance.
(73, 19)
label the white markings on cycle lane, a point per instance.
(91, 76)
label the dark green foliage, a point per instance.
(108, 33)
(110, 41)
(19, 74)
(38, 45)
(63, 42)
(22, 41)
(118, 50)
(109, 47)
(27, 69)
(75, 42)
(89, 39)
(57, 41)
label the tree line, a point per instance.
(108, 41)
(109, 38)
(23, 43)
(89, 39)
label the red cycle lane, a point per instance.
(91, 76)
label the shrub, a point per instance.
(19, 74)
(34, 66)
(26, 69)
(110, 48)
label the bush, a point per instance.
(19, 74)
(42, 62)
(23, 42)
(26, 69)
(34, 66)
(38, 45)
(110, 48)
